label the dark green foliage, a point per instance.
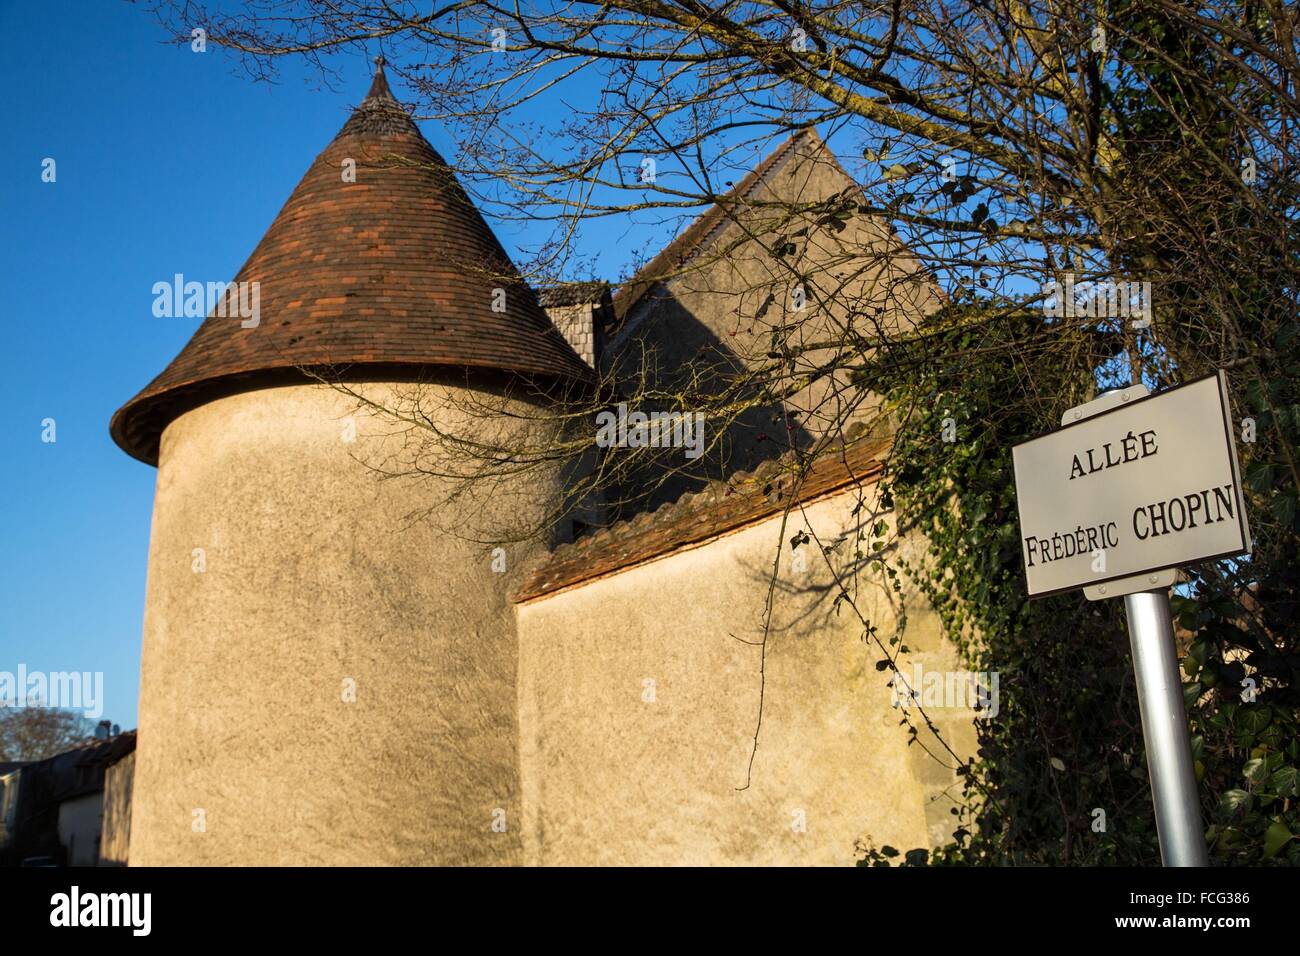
(1068, 738)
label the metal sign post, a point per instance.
(1164, 727)
(1131, 487)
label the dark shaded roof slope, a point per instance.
(396, 269)
(699, 517)
(103, 753)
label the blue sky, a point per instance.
(167, 161)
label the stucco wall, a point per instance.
(115, 836)
(612, 777)
(318, 573)
(79, 820)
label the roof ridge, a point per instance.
(702, 228)
(614, 547)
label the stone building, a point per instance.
(331, 674)
(69, 808)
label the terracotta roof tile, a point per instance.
(701, 516)
(397, 269)
(574, 293)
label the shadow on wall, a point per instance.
(693, 362)
(879, 624)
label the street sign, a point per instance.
(1145, 486)
(1132, 486)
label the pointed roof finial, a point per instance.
(424, 277)
(379, 112)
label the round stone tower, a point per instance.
(324, 680)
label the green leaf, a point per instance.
(1234, 800)
(1276, 837)
(1058, 764)
(1285, 782)
(1259, 477)
(1254, 771)
(1253, 719)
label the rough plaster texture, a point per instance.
(115, 837)
(314, 575)
(611, 777)
(717, 314)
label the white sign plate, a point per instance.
(1148, 485)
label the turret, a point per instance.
(326, 678)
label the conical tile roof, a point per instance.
(395, 270)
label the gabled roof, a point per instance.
(696, 236)
(396, 269)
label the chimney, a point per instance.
(581, 311)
